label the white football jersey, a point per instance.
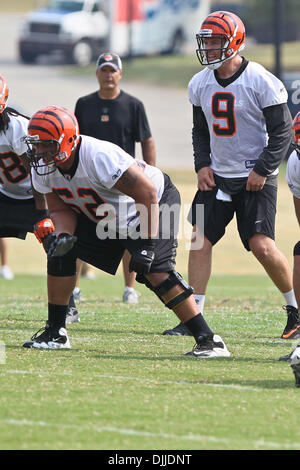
(234, 115)
(14, 179)
(293, 174)
(100, 166)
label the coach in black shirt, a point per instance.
(113, 115)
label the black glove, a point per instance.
(142, 259)
(61, 245)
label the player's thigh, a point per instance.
(256, 211)
(103, 253)
(210, 215)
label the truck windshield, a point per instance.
(65, 5)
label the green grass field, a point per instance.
(125, 386)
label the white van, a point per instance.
(82, 29)
(155, 26)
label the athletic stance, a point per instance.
(241, 133)
(103, 201)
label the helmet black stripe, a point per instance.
(223, 13)
(47, 120)
(39, 128)
(51, 113)
(213, 23)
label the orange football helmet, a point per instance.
(3, 93)
(296, 132)
(53, 135)
(229, 29)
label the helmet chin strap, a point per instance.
(218, 64)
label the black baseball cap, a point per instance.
(111, 59)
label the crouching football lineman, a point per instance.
(90, 185)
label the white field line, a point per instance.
(133, 432)
(144, 381)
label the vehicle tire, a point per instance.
(177, 45)
(27, 57)
(82, 53)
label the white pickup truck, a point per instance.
(77, 28)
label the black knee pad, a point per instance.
(174, 279)
(297, 249)
(63, 266)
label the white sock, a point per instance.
(128, 289)
(200, 301)
(290, 298)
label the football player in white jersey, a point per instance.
(241, 133)
(293, 180)
(21, 211)
(103, 201)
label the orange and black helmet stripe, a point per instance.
(45, 116)
(221, 17)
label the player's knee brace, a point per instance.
(173, 280)
(297, 249)
(63, 266)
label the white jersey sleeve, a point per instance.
(293, 174)
(40, 182)
(195, 87)
(270, 90)
(17, 129)
(14, 179)
(108, 164)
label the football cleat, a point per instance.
(72, 315)
(130, 296)
(50, 338)
(295, 364)
(209, 346)
(179, 330)
(286, 358)
(292, 328)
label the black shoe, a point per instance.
(179, 330)
(296, 371)
(209, 346)
(292, 329)
(49, 339)
(286, 358)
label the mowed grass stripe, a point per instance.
(133, 432)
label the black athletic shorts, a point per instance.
(255, 213)
(17, 217)
(107, 254)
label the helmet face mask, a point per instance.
(42, 153)
(53, 135)
(221, 37)
(218, 54)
